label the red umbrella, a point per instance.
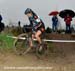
(53, 13)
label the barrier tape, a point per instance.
(46, 40)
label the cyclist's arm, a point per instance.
(39, 23)
(31, 23)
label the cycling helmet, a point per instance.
(28, 10)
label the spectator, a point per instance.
(54, 23)
(1, 24)
(68, 20)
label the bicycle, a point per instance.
(22, 46)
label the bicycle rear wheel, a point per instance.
(21, 46)
(43, 52)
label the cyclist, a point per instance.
(37, 25)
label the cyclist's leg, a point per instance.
(30, 46)
(37, 36)
(38, 33)
(31, 43)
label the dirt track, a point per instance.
(56, 62)
(61, 57)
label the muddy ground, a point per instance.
(61, 57)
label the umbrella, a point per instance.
(64, 13)
(53, 13)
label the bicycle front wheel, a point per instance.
(21, 45)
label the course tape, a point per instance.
(46, 40)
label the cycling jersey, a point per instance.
(36, 23)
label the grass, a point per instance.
(6, 42)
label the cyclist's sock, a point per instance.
(40, 47)
(40, 44)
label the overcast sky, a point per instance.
(13, 10)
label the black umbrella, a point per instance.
(64, 13)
